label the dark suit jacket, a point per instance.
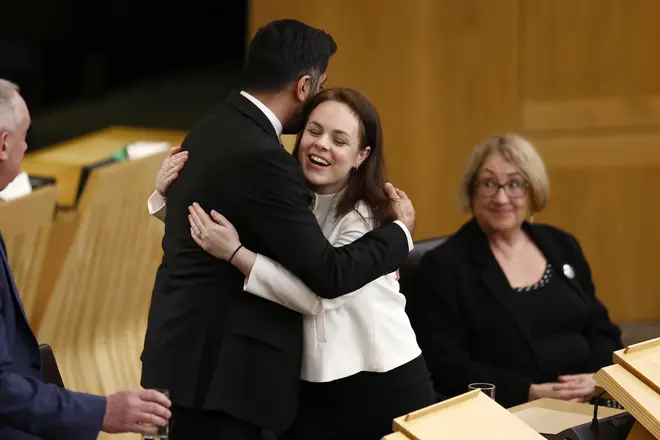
(29, 408)
(212, 345)
(462, 312)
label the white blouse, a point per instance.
(365, 330)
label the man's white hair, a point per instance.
(8, 116)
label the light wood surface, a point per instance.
(470, 416)
(26, 224)
(642, 360)
(640, 400)
(65, 161)
(551, 416)
(601, 192)
(638, 432)
(545, 416)
(577, 77)
(442, 74)
(95, 318)
(586, 64)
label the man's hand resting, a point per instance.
(404, 210)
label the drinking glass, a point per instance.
(487, 388)
(163, 432)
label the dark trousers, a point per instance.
(192, 424)
(362, 406)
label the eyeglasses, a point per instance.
(514, 188)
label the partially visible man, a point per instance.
(29, 408)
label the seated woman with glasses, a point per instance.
(506, 301)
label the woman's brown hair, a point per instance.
(367, 183)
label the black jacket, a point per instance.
(212, 345)
(462, 311)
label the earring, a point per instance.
(531, 218)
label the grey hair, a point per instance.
(8, 116)
(315, 74)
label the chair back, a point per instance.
(26, 223)
(97, 313)
(408, 271)
(49, 369)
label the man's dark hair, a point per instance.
(282, 52)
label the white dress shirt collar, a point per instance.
(277, 125)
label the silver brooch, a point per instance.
(568, 271)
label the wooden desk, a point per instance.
(550, 416)
(65, 161)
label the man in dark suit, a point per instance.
(29, 408)
(231, 360)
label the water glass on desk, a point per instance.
(487, 388)
(163, 432)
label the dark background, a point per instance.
(83, 64)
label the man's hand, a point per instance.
(140, 411)
(403, 207)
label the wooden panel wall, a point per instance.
(578, 77)
(589, 64)
(415, 61)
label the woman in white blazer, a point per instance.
(362, 366)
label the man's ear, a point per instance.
(4, 154)
(303, 88)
